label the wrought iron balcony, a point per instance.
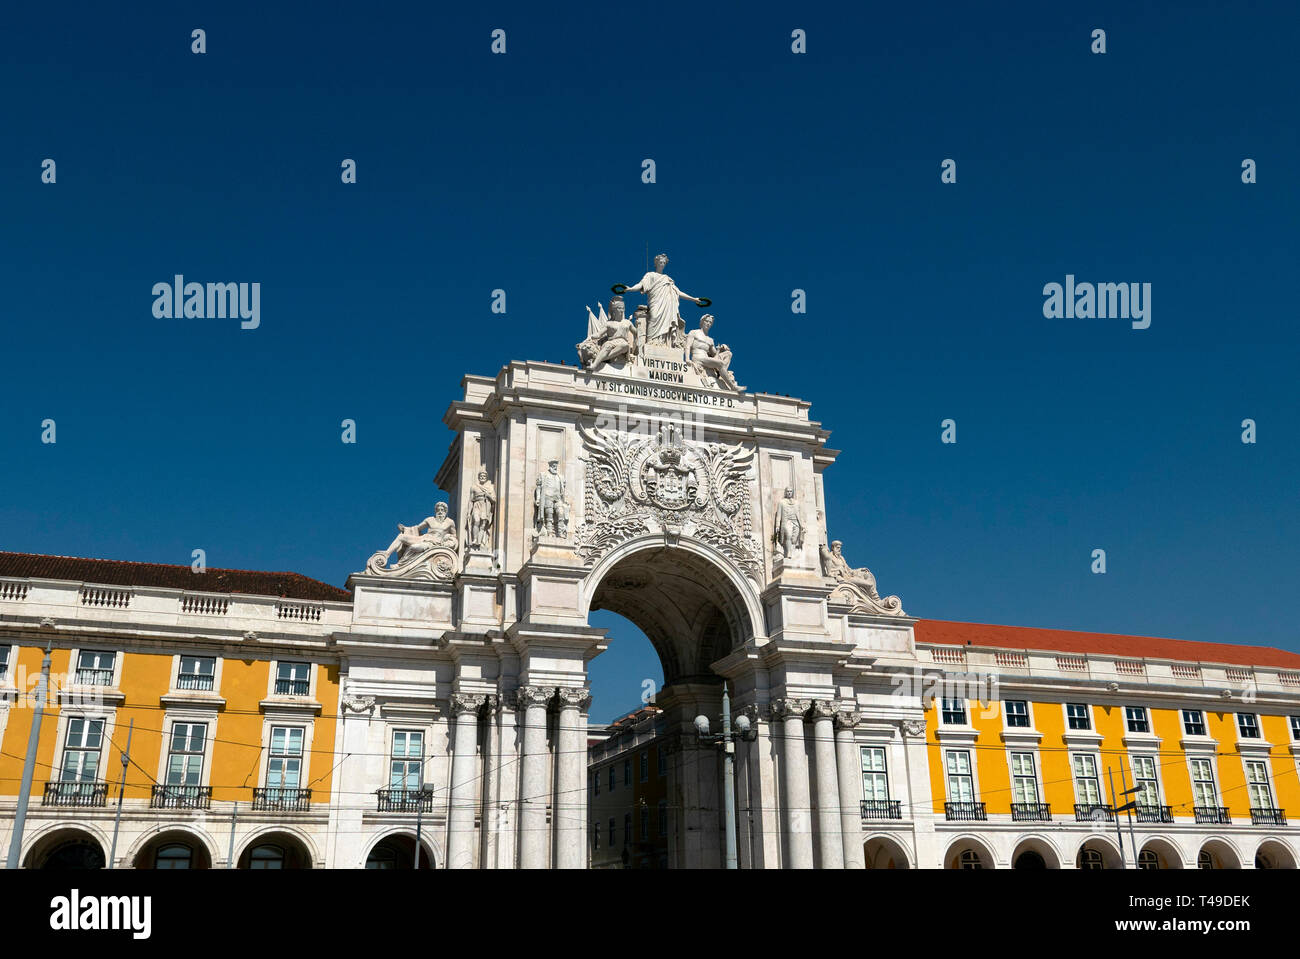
(1212, 814)
(201, 681)
(181, 797)
(1031, 812)
(405, 800)
(292, 687)
(282, 799)
(882, 809)
(74, 794)
(1093, 812)
(1268, 816)
(94, 677)
(964, 812)
(1153, 814)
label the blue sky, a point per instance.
(775, 171)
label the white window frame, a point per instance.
(1258, 727)
(1087, 711)
(972, 759)
(1182, 719)
(1293, 724)
(1146, 719)
(308, 728)
(7, 647)
(1208, 758)
(1155, 769)
(1263, 763)
(207, 717)
(1029, 716)
(863, 771)
(643, 765)
(1037, 777)
(965, 712)
(393, 732)
(74, 667)
(174, 683)
(273, 678)
(1095, 756)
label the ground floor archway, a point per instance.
(881, 852)
(66, 849)
(275, 850)
(968, 853)
(1274, 854)
(397, 851)
(174, 849)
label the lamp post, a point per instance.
(726, 741)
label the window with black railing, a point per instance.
(1212, 814)
(292, 679)
(281, 798)
(405, 800)
(882, 809)
(1267, 816)
(95, 668)
(181, 797)
(75, 794)
(1092, 812)
(964, 812)
(196, 673)
(1153, 813)
(1031, 812)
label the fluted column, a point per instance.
(569, 807)
(849, 764)
(796, 802)
(830, 847)
(533, 794)
(465, 709)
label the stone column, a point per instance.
(464, 780)
(849, 763)
(569, 807)
(796, 801)
(533, 793)
(830, 846)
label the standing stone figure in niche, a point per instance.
(551, 510)
(787, 528)
(482, 510)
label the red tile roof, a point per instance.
(115, 572)
(1110, 644)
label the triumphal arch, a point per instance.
(646, 480)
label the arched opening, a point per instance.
(1098, 854)
(968, 854)
(175, 849)
(1272, 854)
(275, 851)
(1159, 854)
(397, 852)
(1217, 854)
(654, 792)
(1035, 854)
(882, 853)
(67, 849)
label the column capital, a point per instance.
(823, 709)
(847, 719)
(467, 702)
(914, 728)
(572, 697)
(527, 696)
(789, 708)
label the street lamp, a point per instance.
(726, 741)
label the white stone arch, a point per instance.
(289, 829)
(1281, 854)
(427, 840)
(157, 829)
(969, 841)
(1226, 853)
(1167, 848)
(1111, 856)
(743, 585)
(1039, 843)
(92, 829)
(883, 841)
